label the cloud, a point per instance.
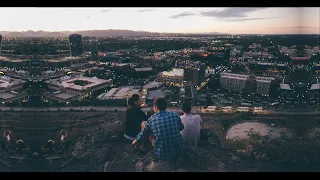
(228, 14)
(146, 10)
(184, 14)
(297, 27)
(246, 19)
(105, 10)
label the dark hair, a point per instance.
(186, 107)
(161, 103)
(132, 99)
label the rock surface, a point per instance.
(101, 148)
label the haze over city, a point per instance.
(167, 20)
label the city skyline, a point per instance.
(165, 20)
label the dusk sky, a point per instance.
(182, 20)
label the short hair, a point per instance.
(161, 103)
(132, 99)
(186, 107)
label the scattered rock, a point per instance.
(235, 158)
(149, 164)
(179, 170)
(221, 167)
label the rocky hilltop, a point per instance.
(102, 149)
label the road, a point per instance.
(195, 109)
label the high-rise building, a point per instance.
(190, 94)
(194, 73)
(202, 69)
(191, 75)
(94, 49)
(76, 45)
(0, 44)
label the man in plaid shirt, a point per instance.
(165, 129)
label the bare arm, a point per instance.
(201, 122)
(181, 126)
(143, 133)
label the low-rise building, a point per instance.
(118, 96)
(174, 77)
(8, 87)
(152, 85)
(75, 88)
(237, 82)
(66, 62)
(152, 95)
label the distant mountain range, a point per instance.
(95, 33)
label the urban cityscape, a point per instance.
(258, 95)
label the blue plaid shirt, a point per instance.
(165, 127)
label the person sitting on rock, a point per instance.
(134, 117)
(20, 145)
(26, 150)
(6, 140)
(163, 129)
(35, 156)
(7, 136)
(64, 139)
(192, 125)
(49, 147)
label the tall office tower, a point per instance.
(191, 75)
(76, 46)
(94, 49)
(0, 44)
(202, 67)
(190, 94)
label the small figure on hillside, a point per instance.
(19, 145)
(35, 156)
(48, 147)
(64, 140)
(6, 140)
(248, 148)
(26, 150)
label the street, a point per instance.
(195, 109)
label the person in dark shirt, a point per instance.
(134, 117)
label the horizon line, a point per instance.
(190, 33)
(211, 33)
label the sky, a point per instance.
(169, 20)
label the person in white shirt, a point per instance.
(6, 140)
(7, 137)
(192, 125)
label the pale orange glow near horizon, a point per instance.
(178, 20)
